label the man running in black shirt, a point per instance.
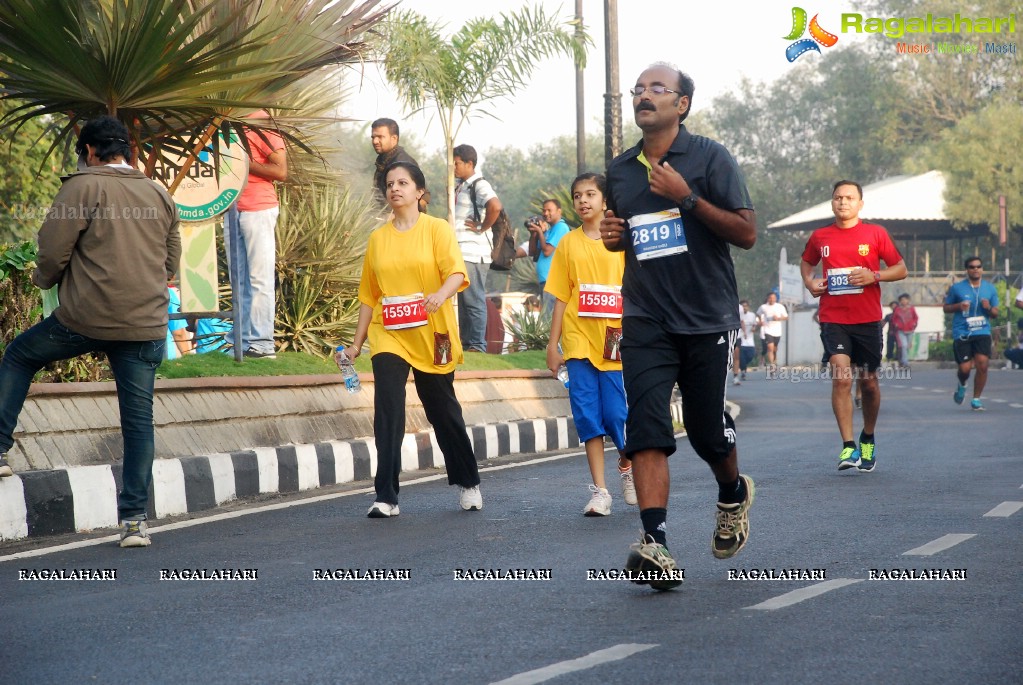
(675, 203)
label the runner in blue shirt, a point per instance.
(974, 302)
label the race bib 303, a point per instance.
(838, 282)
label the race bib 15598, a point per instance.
(600, 301)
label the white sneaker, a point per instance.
(628, 487)
(134, 534)
(600, 502)
(735, 380)
(382, 510)
(470, 499)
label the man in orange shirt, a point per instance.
(258, 209)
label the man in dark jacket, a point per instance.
(384, 137)
(110, 241)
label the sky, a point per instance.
(717, 43)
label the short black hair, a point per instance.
(846, 182)
(391, 125)
(974, 258)
(108, 135)
(466, 153)
(554, 201)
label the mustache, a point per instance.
(646, 105)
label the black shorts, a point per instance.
(653, 362)
(861, 342)
(966, 348)
(771, 339)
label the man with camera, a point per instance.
(545, 233)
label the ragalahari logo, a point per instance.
(817, 34)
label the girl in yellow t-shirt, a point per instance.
(586, 279)
(412, 269)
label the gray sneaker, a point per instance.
(650, 563)
(5, 468)
(135, 534)
(732, 529)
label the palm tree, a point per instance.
(174, 71)
(466, 74)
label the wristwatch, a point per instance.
(877, 276)
(689, 203)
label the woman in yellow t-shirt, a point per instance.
(586, 279)
(412, 269)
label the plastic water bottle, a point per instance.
(563, 374)
(348, 371)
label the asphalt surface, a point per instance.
(941, 468)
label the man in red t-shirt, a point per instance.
(257, 221)
(850, 253)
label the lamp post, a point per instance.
(612, 98)
(580, 116)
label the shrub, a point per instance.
(23, 308)
(321, 242)
(530, 330)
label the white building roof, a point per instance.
(900, 198)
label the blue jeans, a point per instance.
(134, 366)
(256, 272)
(472, 308)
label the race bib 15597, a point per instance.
(403, 311)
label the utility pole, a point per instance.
(580, 116)
(612, 96)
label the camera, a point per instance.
(533, 221)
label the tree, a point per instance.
(28, 183)
(467, 74)
(937, 90)
(174, 71)
(980, 157)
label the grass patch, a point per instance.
(216, 364)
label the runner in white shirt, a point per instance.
(747, 342)
(770, 315)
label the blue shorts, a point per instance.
(598, 402)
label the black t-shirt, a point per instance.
(692, 291)
(384, 160)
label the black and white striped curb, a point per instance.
(84, 498)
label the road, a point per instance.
(935, 503)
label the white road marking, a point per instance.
(1016, 405)
(937, 391)
(92, 542)
(939, 545)
(1005, 509)
(1000, 401)
(919, 387)
(603, 656)
(804, 593)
